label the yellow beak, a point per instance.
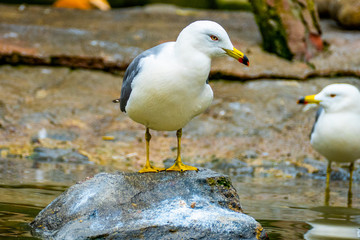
(308, 99)
(238, 56)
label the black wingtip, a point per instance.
(116, 100)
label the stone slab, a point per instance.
(110, 40)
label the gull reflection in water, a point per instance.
(335, 223)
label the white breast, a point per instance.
(337, 136)
(166, 97)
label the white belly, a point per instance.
(168, 113)
(167, 99)
(338, 137)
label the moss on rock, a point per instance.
(221, 181)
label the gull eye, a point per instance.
(332, 95)
(214, 38)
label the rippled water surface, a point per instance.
(286, 208)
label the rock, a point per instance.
(346, 12)
(290, 29)
(2, 109)
(290, 170)
(60, 135)
(315, 163)
(336, 174)
(63, 135)
(233, 167)
(58, 155)
(2, 114)
(250, 154)
(356, 173)
(322, 7)
(167, 205)
(321, 166)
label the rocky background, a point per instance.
(61, 70)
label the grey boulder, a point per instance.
(165, 205)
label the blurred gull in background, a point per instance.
(336, 131)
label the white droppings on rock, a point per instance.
(205, 215)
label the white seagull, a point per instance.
(166, 86)
(336, 131)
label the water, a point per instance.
(294, 208)
(286, 208)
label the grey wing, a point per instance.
(131, 72)
(318, 113)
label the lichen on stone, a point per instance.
(221, 181)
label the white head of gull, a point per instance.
(166, 86)
(336, 131)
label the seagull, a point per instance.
(166, 86)
(336, 131)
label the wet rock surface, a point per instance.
(254, 131)
(252, 128)
(58, 155)
(167, 205)
(110, 40)
(255, 122)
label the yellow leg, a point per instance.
(148, 167)
(179, 166)
(327, 189)
(351, 170)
